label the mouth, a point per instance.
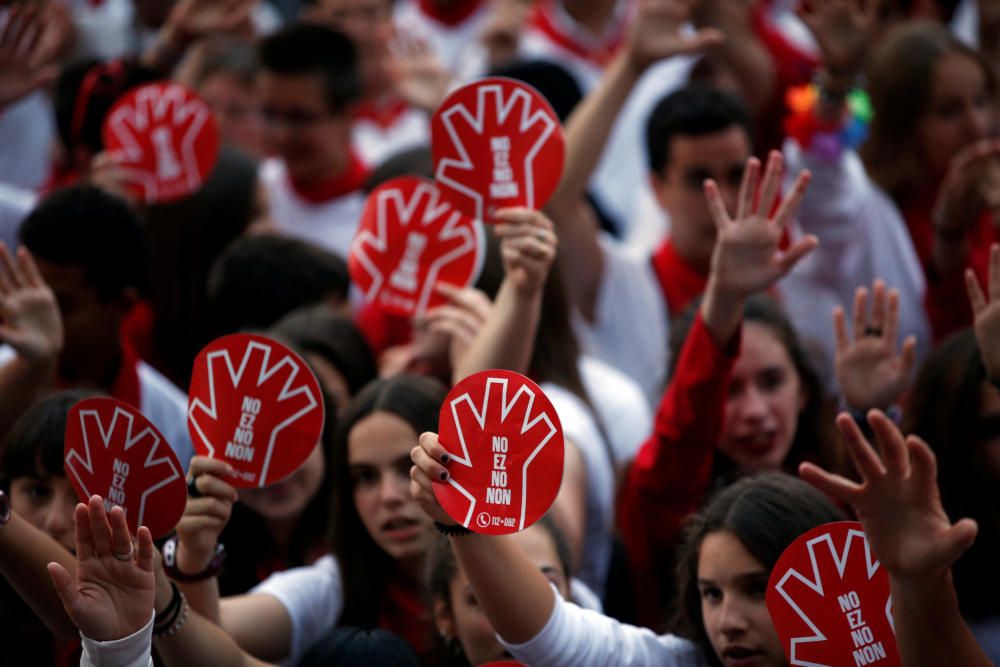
(760, 443)
(739, 656)
(401, 528)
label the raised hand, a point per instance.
(429, 461)
(843, 30)
(987, 313)
(31, 321)
(527, 246)
(657, 33)
(111, 596)
(209, 506)
(870, 372)
(461, 320)
(416, 72)
(897, 500)
(191, 20)
(971, 186)
(25, 54)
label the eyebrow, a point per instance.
(740, 578)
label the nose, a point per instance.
(58, 522)
(752, 404)
(733, 618)
(976, 123)
(394, 490)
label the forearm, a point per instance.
(25, 553)
(201, 642)
(929, 627)
(21, 382)
(203, 596)
(751, 65)
(722, 313)
(507, 338)
(511, 590)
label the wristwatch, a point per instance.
(170, 563)
(4, 509)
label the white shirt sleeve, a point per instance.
(132, 651)
(314, 598)
(574, 636)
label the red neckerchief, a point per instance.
(453, 16)
(384, 115)
(405, 614)
(126, 387)
(543, 19)
(351, 179)
(680, 282)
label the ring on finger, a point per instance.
(126, 556)
(193, 490)
(873, 331)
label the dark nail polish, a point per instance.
(445, 457)
(444, 475)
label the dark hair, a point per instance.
(549, 78)
(365, 567)
(416, 161)
(944, 409)
(766, 513)
(311, 49)
(258, 280)
(186, 237)
(246, 533)
(84, 95)
(693, 111)
(34, 445)
(902, 68)
(358, 647)
(333, 337)
(84, 226)
(814, 435)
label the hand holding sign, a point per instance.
(504, 443)
(112, 450)
(829, 600)
(496, 144)
(409, 240)
(255, 404)
(164, 141)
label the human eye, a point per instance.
(363, 475)
(711, 594)
(771, 379)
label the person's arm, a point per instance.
(25, 65)
(507, 337)
(656, 35)
(900, 508)
(32, 327)
(192, 20)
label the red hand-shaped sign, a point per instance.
(255, 404)
(112, 450)
(496, 143)
(409, 240)
(163, 139)
(829, 599)
(506, 446)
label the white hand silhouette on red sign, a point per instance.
(255, 404)
(506, 445)
(496, 143)
(112, 450)
(409, 240)
(164, 140)
(829, 599)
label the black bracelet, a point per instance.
(169, 615)
(457, 530)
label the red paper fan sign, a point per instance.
(829, 599)
(113, 451)
(409, 240)
(506, 446)
(164, 139)
(255, 404)
(496, 143)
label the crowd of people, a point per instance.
(765, 296)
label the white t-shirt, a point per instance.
(15, 205)
(27, 135)
(330, 225)
(313, 596)
(451, 43)
(965, 23)
(166, 406)
(631, 327)
(622, 407)
(376, 142)
(574, 636)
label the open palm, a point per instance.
(658, 34)
(23, 53)
(31, 321)
(110, 598)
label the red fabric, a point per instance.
(405, 614)
(381, 329)
(70, 654)
(127, 387)
(672, 471)
(946, 301)
(680, 282)
(137, 327)
(450, 16)
(383, 115)
(351, 179)
(541, 19)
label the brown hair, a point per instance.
(900, 78)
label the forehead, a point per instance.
(760, 348)
(722, 557)
(956, 74)
(64, 278)
(538, 546)
(380, 439)
(723, 149)
(298, 91)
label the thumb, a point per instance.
(64, 584)
(958, 539)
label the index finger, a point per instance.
(205, 465)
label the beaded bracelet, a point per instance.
(174, 616)
(827, 139)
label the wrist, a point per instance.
(176, 571)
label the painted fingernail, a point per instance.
(445, 457)
(444, 475)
